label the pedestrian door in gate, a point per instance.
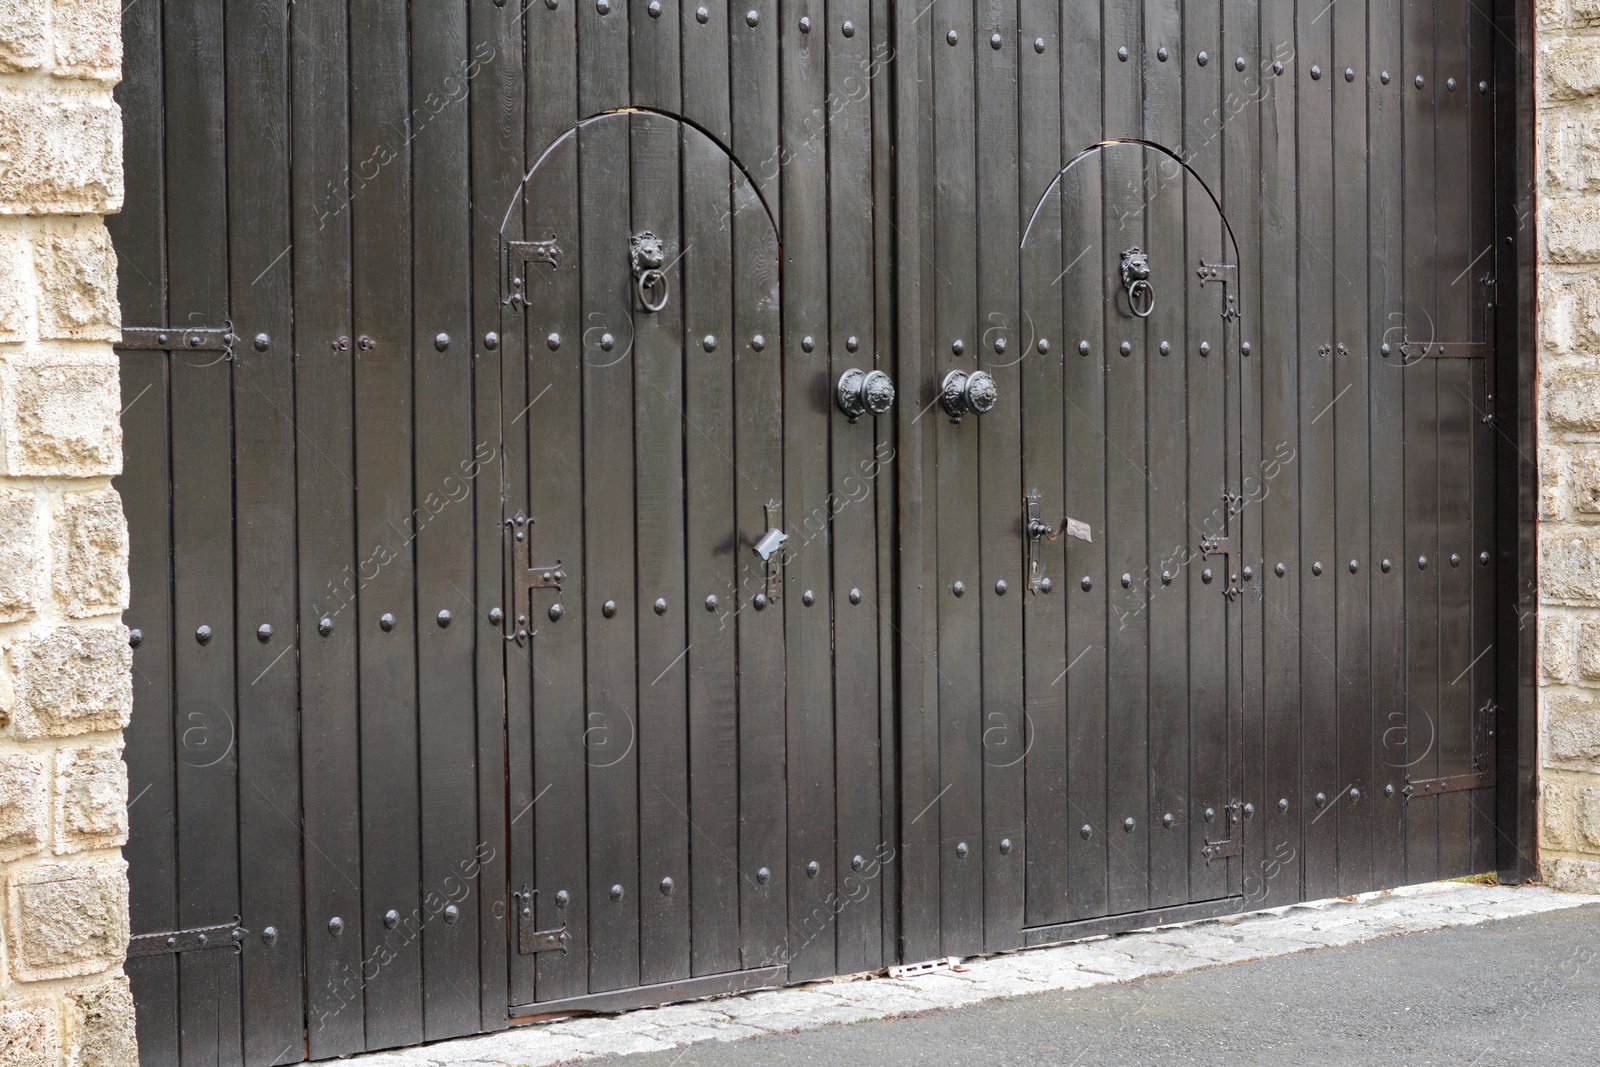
(694, 500)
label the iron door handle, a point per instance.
(865, 393)
(962, 392)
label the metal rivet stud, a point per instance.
(711, 602)
(1349, 74)
(1283, 804)
(999, 346)
(852, 343)
(1127, 580)
(709, 343)
(1202, 59)
(666, 887)
(553, 342)
(135, 638)
(1279, 569)
(1044, 346)
(1321, 799)
(752, 18)
(1316, 72)
(758, 342)
(857, 862)
(269, 935)
(1046, 584)
(1211, 815)
(365, 343)
(1083, 348)
(1126, 348)
(962, 850)
(1455, 559)
(995, 41)
(1384, 77)
(1422, 563)
(1420, 81)
(1483, 559)
(551, 4)
(1128, 825)
(701, 15)
(1165, 349)
(609, 608)
(1277, 68)
(264, 632)
(813, 869)
(1354, 566)
(1388, 791)
(1205, 576)
(451, 914)
(491, 340)
(603, 6)
(1238, 63)
(1245, 348)
(808, 598)
(660, 606)
(1355, 794)
(1249, 573)
(1450, 84)
(1483, 87)
(1038, 45)
(959, 589)
(805, 23)
(807, 344)
(203, 634)
(616, 893)
(563, 898)
(958, 346)
(1387, 565)
(763, 876)
(1205, 349)
(1086, 831)
(496, 616)
(952, 37)
(325, 627)
(263, 342)
(555, 612)
(1249, 811)
(1166, 577)
(386, 620)
(1316, 568)
(336, 926)
(1161, 54)
(443, 618)
(855, 596)
(1122, 54)
(761, 602)
(1167, 820)
(391, 918)
(1087, 583)
(607, 342)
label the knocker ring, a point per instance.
(650, 280)
(1136, 280)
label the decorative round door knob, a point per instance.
(962, 392)
(865, 393)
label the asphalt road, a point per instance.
(1524, 991)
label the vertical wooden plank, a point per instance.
(1421, 439)
(1238, 172)
(1279, 355)
(325, 470)
(450, 459)
(1125, 531)
(1385, 283)
(544, 418)
(1041, 744)
(1458, 379)
(1084, 254)
(1352, 563)
(1319, 676)
(380, 223)
(139, 234)
(1000, 347)
(655, 58)
(496, 102)
(264, 472)
(703, 44)
(711, 477)
(1169, 439)
(202, 532)
(759, 439)
(660, 352)
(611, 716)
(959, 642)
(858, 611)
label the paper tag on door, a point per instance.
(1080, 530)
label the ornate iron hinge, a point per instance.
(1230, 846)
(167, 339)
(527, 576)
(531, 940)
(518, 255)
(1482, 773)
(224, 935)
(1228, 275)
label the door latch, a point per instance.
(531, 940)
(1228, 275)
(1224, 547)
(527, 576)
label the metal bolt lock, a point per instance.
(391, 918)
(864, 392)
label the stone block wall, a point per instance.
(65, 666)
(1568, 194)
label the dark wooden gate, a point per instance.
(542, 601)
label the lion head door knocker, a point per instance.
(1136, 281)
(649, 277)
